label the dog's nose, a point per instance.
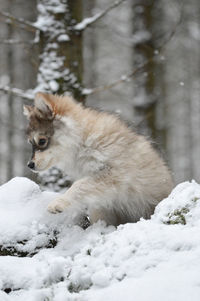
(31, 165)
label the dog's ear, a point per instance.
(27, 111)
(44, 105)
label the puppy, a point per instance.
(118, 176)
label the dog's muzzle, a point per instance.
(31, 165)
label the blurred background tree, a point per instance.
(139, 59)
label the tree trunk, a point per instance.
(149, 86)
(145, 102)
(10, 64)
(16, 70)
(61, 65)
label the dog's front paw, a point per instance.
(57, 206)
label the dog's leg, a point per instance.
(105, 215)
(96, 215)
(59, 204)
(96, 192)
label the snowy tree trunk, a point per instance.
(61, 65)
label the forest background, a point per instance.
(139, 59)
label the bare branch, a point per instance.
(13, 42)
(30, 42)
(25, 24)
(17, 92)
(89, 21)
(126, 77)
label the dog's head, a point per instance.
(44, 130)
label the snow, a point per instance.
(54, 86)
(52, 64)
(87, 21)
(86, 91)
(141, 36)
(63, 38)
(48, 257)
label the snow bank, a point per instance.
(54, 260)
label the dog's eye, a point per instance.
(42, 142)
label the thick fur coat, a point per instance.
(118, 176)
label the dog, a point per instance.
(118, 176)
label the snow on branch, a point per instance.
(17, 92)
(24, 23)
(89, 21)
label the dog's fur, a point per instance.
(118, 176)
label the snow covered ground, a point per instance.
(45, 257)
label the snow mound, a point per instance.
(54, 260)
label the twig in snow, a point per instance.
(89, 21)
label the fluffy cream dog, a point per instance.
(118, 176)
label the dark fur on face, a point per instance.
(40, 123)
(44, 128)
